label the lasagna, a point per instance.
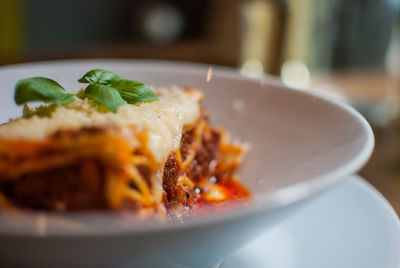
(160, 157)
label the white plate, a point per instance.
(301, 145)
(349, 226)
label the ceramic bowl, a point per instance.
(301, 144)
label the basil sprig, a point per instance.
(106, 95)
(112, 91)
(134, 92)
(99, 76)
(104, 87)
(41, 89)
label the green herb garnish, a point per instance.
(106, 95)
(104, 87)
(134, 92)
(41, 89)
(99, 76)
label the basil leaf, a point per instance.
(105, 95)
(40, 89)
(99, 76)
(134, 92)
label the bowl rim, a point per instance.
(272, 201)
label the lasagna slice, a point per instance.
(159, 157)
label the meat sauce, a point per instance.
(212, 185)
(80, 186)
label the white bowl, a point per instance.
(301, 144)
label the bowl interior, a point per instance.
(294, 137)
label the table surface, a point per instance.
(371, 91)
(383, 169)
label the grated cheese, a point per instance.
(163, 120)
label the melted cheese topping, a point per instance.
(163, 120)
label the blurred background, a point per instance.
(349, 50)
